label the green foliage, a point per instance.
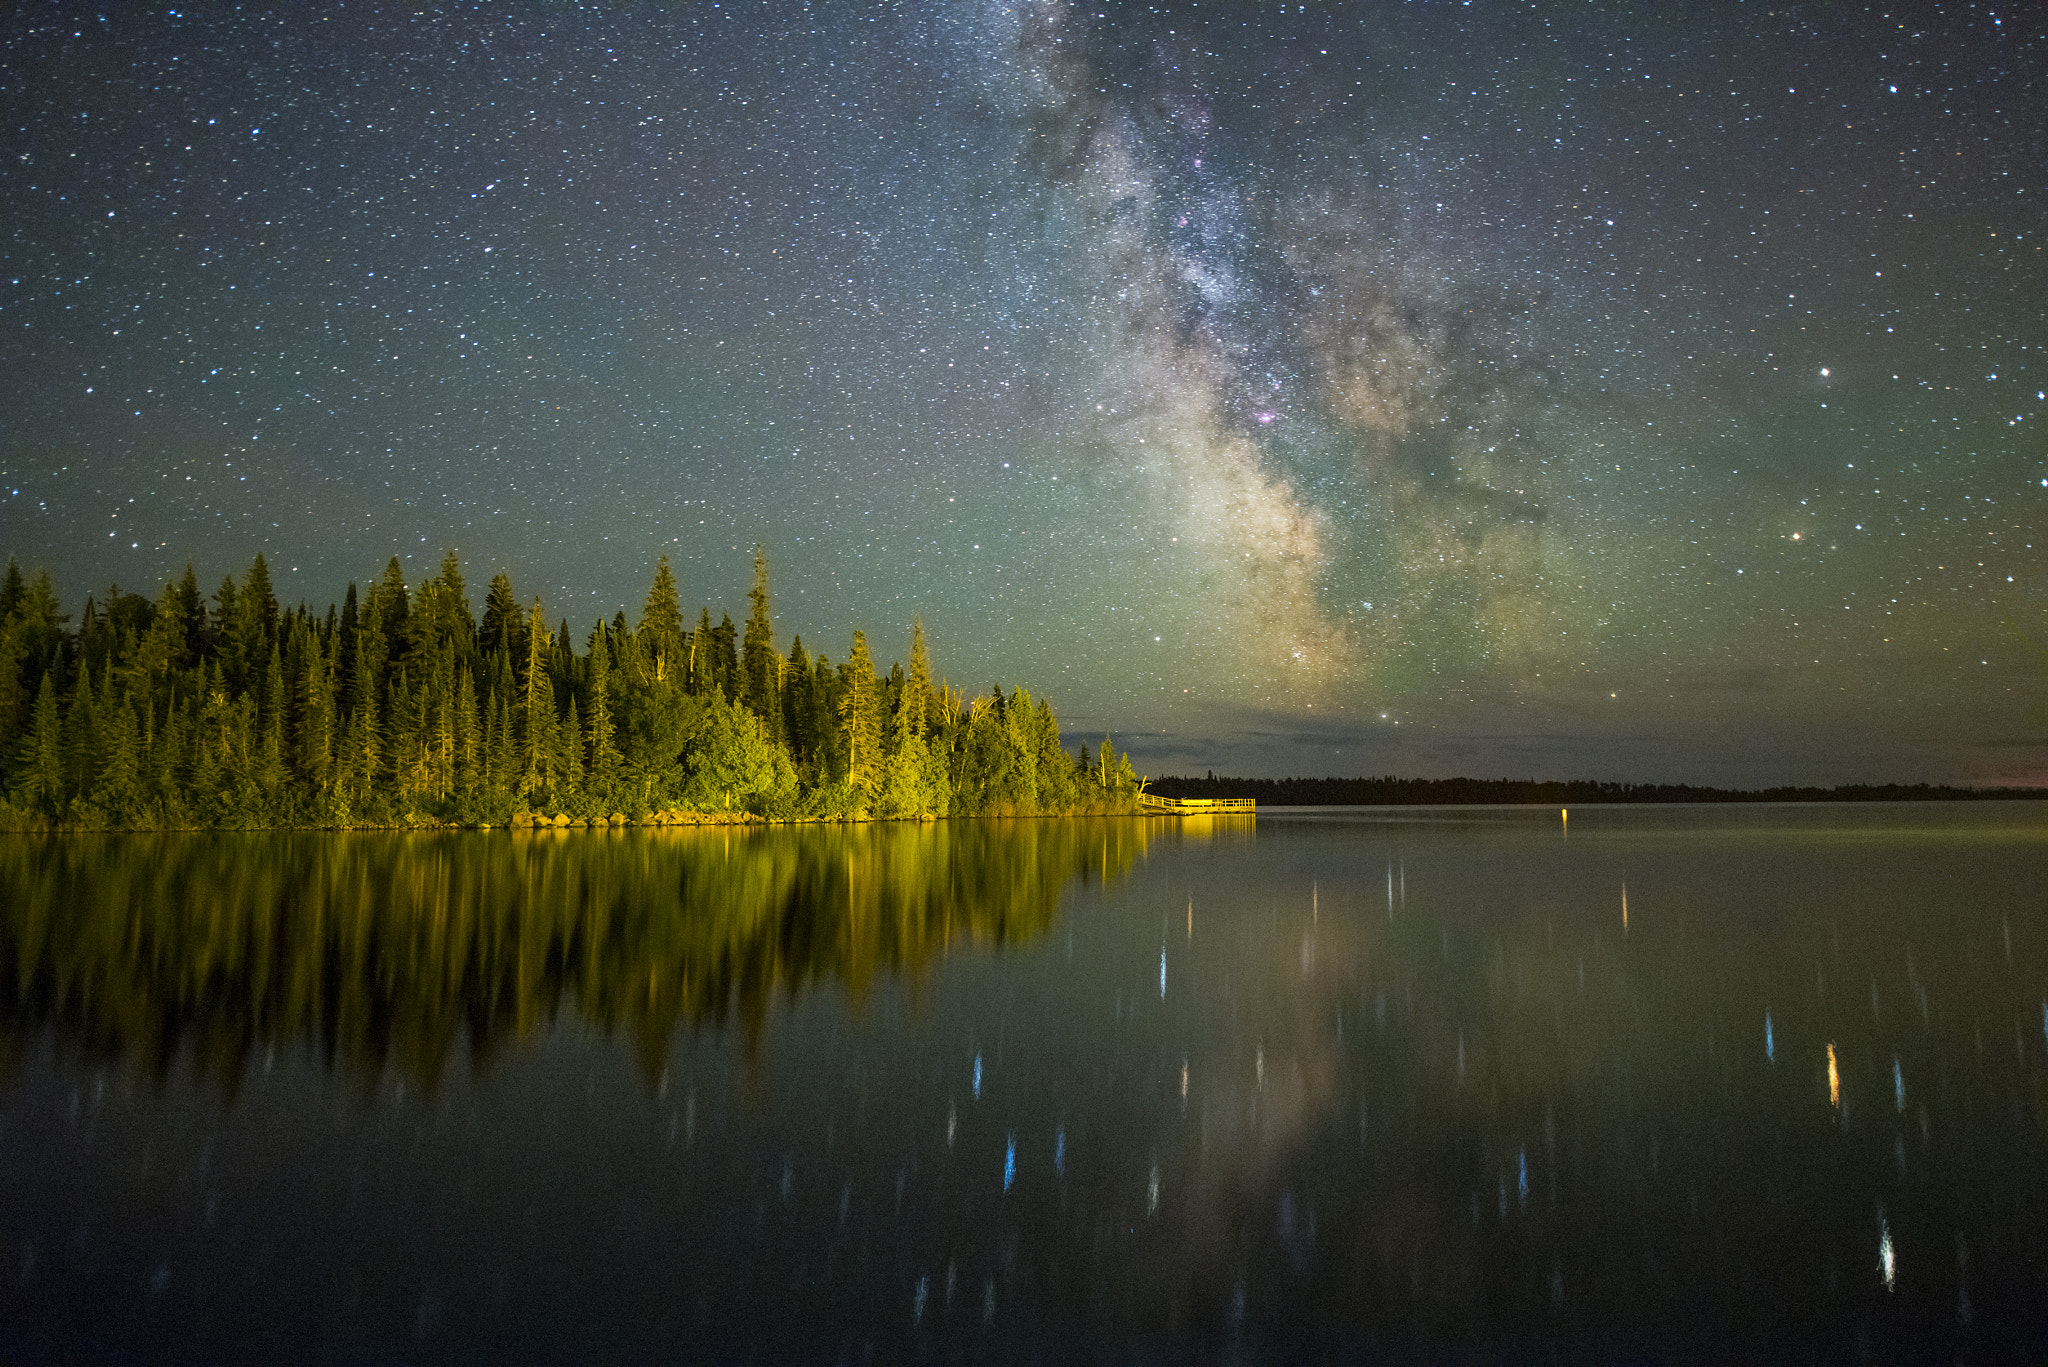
(403, 709)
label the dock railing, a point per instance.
(1194, 806)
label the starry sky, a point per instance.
(1649, 392)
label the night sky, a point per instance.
(1604, 390)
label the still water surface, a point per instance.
(1654, 1083)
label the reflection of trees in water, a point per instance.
(388, 948)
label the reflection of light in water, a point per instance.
(1260, 1064)
(1523, 1182)
(1162, 974)
(1390, 892)
(977, 1077)
(1010, 1163)
(1461, 1056)
(1887, 1262)
(1898, 1084)
(1834, 1079)
(1152, 1193)
(924, 1286)
(1183, 1079)
(1624, 906)
(1059, 1151)
(1191, 918)
(1770, 1048)
(952, 1122)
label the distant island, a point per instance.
(1452, 792)
(399, 708)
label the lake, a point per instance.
(1455, 1083)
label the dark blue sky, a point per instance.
(1620, 391)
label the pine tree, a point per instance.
(537, 711)
(272, 774)
(569, 753)
(469, 739)
(661, 628)
(316, 737)
(119, 789)
(799, 734)
(193, 608)
(703, 667)
(760, 666)
(41, 768)
(500, 629)
(860, 721)
(599, 743)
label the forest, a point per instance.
(400, 708)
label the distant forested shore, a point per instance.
(1452, 792)
(398, 707)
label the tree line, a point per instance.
(400, 707)
(1388, 791)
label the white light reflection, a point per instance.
(1887, 1261)
(977, 1077)
(1770, 1047)
(1898, 1085)
(1152, 1193)
(1162, 973)
(1059, 1151)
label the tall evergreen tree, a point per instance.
(40, 781)
(760, 666)
(537, 711)
(500, 628)
(599, 743)
(661, 628)
(860, 720)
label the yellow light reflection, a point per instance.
(1834, 1079)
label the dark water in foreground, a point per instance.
(1679, 1083)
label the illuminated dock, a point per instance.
(1195, 806)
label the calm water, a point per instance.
(1656, 1083)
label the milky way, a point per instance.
(1427, 388)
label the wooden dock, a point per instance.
(1195, 806)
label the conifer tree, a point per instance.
(119, 788)
(500, 628)
(661, 629)
(41, 770)
(316, 719)
(537, 711)
(599, 743)
(760, 666)
(859, 720)
(703, 652)
(469, 756)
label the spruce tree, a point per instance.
(760, 666)
(661, 628)
(500, 627)
(860, 721)
(599, 743)
(40, 772)
(537, 711)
